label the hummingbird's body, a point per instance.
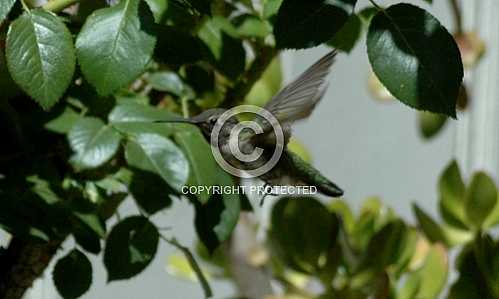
(296, 101)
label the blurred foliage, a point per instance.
(84, 83)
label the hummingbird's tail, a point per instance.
(312, 177)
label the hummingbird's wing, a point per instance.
(297, 100)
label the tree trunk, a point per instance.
(22, 263)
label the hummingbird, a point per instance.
(294, 102)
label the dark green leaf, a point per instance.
(480, 198)
(303, 243)
(431, 229)
(451, 190)
(430, 124)
(150, 191)
(5, 7)
(346, 38)
(226, 48)
(40, 56)
(87, 238)
(130, 247)
(202, 6)
(94, 142)
(200, 77)
(425, 78)
(7, 85)
(73, 275)
(157, 154)
(115, 45)
(305, 24)
(177, 47)
(216, 219)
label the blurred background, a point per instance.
(369, 147)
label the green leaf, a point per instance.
(430, 124)
(73, 275)
(430, 227)
(423, 77)
(204, 169)
(303, 244)
(480, 199)
(158, 8)
(63, 123)
(271, 8)
(251, 26)
(346, 38)
(226, 48)
(5, 7)
(451, 190)
(115, 45)
(157, 154)
(40, 56)
(216, 219)
(305, 24)
(130, 247)
(471, 282)
(134, 118)
(433, 274)
(94, 142)
(150, 191)
(170, 82)
(202, 6)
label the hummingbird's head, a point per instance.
(207, 120)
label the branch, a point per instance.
(456, 14)
(59, 5)
(236, 94)
(22, 263)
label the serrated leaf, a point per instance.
(72, 275)
(425, 78)
(93, 142)
(5, 7)
(480, 199)
(40, 56)
(130, 247)
(115, 45)
(305, 24)
(157, 154)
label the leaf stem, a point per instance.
(58, 5)
(376, 5)
(193, 263)
(184, 101)
(457, 16)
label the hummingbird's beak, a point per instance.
(177, 120)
